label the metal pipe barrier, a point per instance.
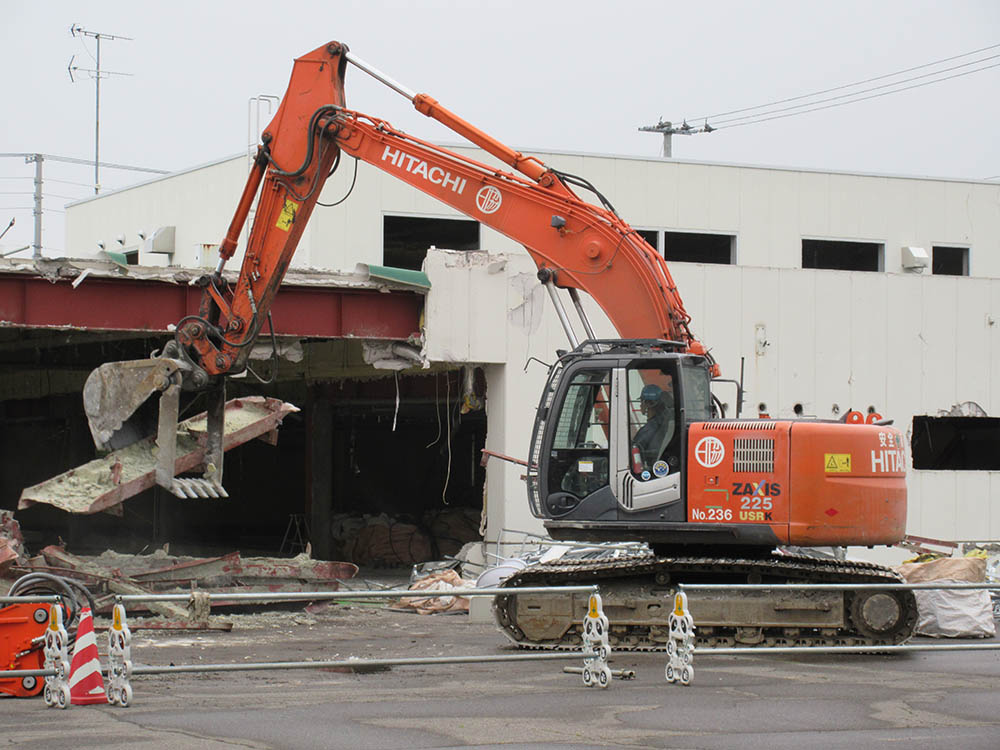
(595, 651)
(681, 649)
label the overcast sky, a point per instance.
(576, 76)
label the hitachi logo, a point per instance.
(413, 165)
(888, 461)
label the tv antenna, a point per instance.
(97, 74)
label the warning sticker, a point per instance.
(837, 463)
(287, 216)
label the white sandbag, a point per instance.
(955, 614)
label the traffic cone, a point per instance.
(86, 686)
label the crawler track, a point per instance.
(637, 594)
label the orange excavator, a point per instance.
(629, 442)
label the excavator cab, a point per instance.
(609, 436)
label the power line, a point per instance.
(865, 91)
(89, 162)
(860, 99)
(849, 85)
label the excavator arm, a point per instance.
(575, 244)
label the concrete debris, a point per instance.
(111, 573)
(964, 409)
(108, 481)
(11, 541)
(439, 582)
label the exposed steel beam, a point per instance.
(134, 305)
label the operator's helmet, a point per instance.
(652, 394)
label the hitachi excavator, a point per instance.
(629, 442)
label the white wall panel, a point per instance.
(973, 374)
(796, 344)
(974, 509)
(937, 335)
(904, 348)
(761, 307)
(693, 197)
(867, 311)
(755, 235)
(939, 505)
(813, 217)
(833, 341)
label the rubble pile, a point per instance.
(386, 541)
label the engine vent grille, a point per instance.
(747, 424)
(753, 455)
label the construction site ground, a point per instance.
(940, 700)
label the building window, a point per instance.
(956, 443)
(950, 261)
(697, 247)
(405, 239)
(652, 237)
(839, 255)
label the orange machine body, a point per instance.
(20, 648)
(814, 483)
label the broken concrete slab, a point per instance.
(105, 482)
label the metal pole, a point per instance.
(97, 123)
(561, 312)
(40, 599)
(844, 649)
(834, 586)
(575, 296)
(355, 663)
(341, 663)
(36, 251)
(378, 75)
(280, 596)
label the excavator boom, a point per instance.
(576, 245)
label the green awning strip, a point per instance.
(405, 276)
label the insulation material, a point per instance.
(951, 614)
(955, 614)
(442, 581)
(453, 528)
(382, 541)
(385, 541)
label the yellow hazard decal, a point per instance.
(287, 215)
(837, 463)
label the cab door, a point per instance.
(648, 439)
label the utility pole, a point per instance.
(667, 129)
(36, 245)
(97, 74)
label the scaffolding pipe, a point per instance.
(766, 651)
(284, 596)
(932, 586)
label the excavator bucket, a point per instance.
(115, 390)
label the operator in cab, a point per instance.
(653, 436)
